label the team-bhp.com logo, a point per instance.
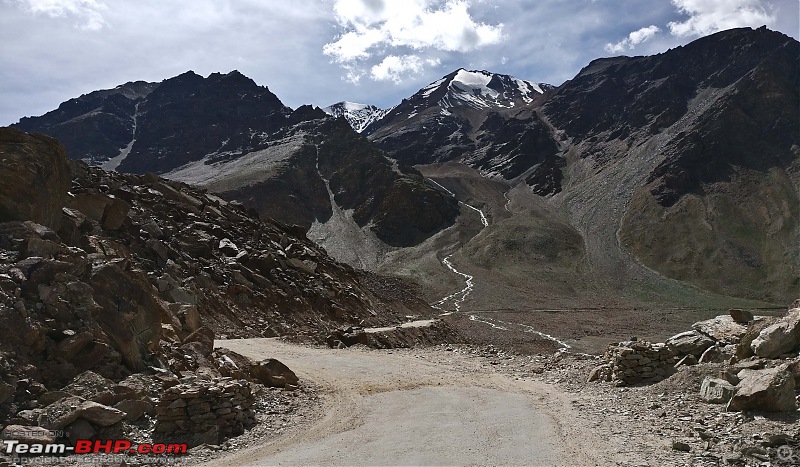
(86, 446)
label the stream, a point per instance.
(458, 298)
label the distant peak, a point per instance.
(360, 116)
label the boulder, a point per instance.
(92, 205)
(716, 391)
(779, 338)
(99, 414)
(91, 386)
(721, 328)
(689, 343)
(271, 372)
(135, 409)
(130, 316)
(232, 364)
(34, 178)
(115, 213)
(744, 348)
(61, 413)
(770, 390)
(228, 248)
(204, 336)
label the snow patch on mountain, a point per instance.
(360, 116)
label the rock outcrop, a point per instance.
(34, 178)
(779, 338)
(769, 390)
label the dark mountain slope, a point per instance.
(698, 146)
(94, 126)
(188, 117)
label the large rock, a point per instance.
(689, 343)
(721, 328)
(99, 414)
(131, 315)
(203, 336)
(64, 412)
(741, 316)
(34, 178)
(61, 413)
(271, 372)
(716, 391)
(93, 387)
(779, 338)
(769, 390)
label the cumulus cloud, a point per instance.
(373, 28)
(635, 38)
(394, 68)
(87, 12)
(709, 16)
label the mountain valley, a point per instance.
(502, 218)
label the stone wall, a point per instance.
(634, 362)
(208, 411)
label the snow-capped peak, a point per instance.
(481, 89)
(360, 116)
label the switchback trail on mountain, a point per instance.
(418, 407)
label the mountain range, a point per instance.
(666, 179)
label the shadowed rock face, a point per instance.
(751, 76)
(164, 125)
(188, 117)
(95, 126)
(34, 178)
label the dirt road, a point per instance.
(410, 407)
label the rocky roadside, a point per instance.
(682, 417)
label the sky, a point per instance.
(324, 51)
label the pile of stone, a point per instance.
(635, 362)
(206, 411)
